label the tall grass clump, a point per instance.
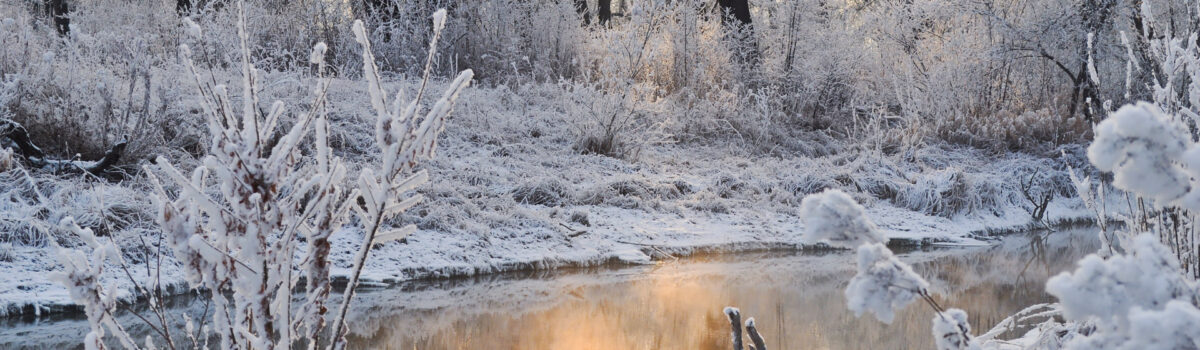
(262, 195)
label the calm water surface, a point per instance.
(796, 299)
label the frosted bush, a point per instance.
(950, 331)
(1177, 326)
(833, 217)
(1146, 277)
(235, 222)
(1142, 147)
(1137, 300)
(883, 283)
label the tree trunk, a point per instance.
(57, 10)
(735, 17)
(604, 11)
(735, 12)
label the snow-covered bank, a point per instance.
(510, 192)
(420, 309)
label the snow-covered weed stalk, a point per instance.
(235, 223)
(1136, 298)
(883, 283)
(404, 137)
(81, 273)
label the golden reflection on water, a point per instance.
(796, 299)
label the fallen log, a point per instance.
(13, 135)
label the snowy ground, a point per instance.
(510, 193)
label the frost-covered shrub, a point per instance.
(238, 233)
(882, 284)
(794, 188)
(1019, 129)
(630, 193)
(1144, 148)
(7, 162)
(706, 201)
(7, 252)
(949, 192)
(950, 331)
(1176, 326)
(31, 206)
(548, 192)
(109, 81)
(733, 186)
(833, 217)
(580, 217)
(1112, 291)
(81, 275)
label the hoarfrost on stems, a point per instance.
(318, 53)
(405, 135)
(235, 222)
(193, 29)
(81, 274)
(834, 217)
(950, 331)
(883, 283)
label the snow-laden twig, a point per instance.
(405, 136)
(82, 271)
(883, 283)
(835, 218)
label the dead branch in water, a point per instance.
(735, 324)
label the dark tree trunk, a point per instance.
(735, 17)
(735, 12)
(604, 11)
(57, 10)
(582, 10)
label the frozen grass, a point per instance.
(500, 197)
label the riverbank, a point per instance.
(510, 192)
(430, 313)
